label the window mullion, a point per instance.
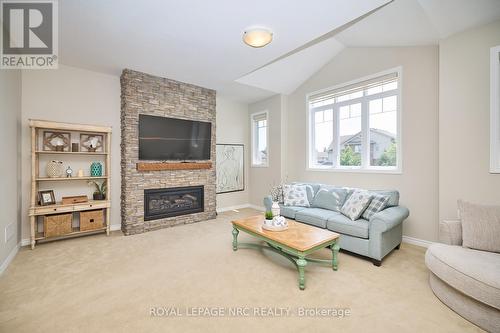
(336, 136)
(256, 143)
(365, 129)
(312, 138)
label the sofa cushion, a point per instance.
(331, 199)
(480, 226)
(290, 211)
(296, 195)
(344, 225)
(472, 272)
(315, 216)
(356, 204)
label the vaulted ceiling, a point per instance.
(199, 42)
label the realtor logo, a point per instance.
(29, 34)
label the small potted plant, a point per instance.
(100, 190)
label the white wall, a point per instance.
(10, 115)
(71, 95)
(232, 128)
(263, 178)
(418, 184)
(464, 108)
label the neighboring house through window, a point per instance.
(356, 126)
(260, 134)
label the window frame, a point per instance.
(495, 109)
(365, 167)
(254, 137)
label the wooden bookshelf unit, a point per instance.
(37, 178)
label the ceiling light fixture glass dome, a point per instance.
(257, 37)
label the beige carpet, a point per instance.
(100, 284)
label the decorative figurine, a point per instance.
(69, 172)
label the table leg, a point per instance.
(301, 264)
(235, 239)
(335, 253)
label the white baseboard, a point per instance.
(261, 208)
(416, 241)
(226, 209)
(115, 227)
(25, 242)
(9, 258)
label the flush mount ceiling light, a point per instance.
(257, 37)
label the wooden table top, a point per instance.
(298, 236)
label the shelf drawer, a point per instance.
(52, 210)
(57, 225)
(93, 205)
(91, 220)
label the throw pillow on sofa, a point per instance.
(480, 226)
(311, 191)
(378, 203)
(295, 195)
(356, 204)
(331, 199)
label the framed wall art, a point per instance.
(230, 168)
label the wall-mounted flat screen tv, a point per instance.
(171, 139)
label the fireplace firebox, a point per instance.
(174, 201)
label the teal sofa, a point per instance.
(373, 239)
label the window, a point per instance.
(495, 110)
(260, 134)
(356, 126)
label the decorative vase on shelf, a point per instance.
(96, 169)
(99, 196)
(55, 169)
(275, 208)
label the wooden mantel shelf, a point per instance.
(161, 166)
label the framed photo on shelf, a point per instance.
(46, 198)
(91, 143)
(56, 141)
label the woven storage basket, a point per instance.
(91, 220)
(57, 225)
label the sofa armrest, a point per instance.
(388, 218)
(450, 232)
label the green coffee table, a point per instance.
(295, 243)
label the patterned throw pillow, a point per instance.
(295, 195)
(378, 203)
(356, 204)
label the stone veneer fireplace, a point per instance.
(151, 95)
